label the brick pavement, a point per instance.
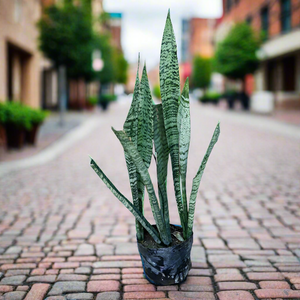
(64, 236)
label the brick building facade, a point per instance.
(19, 55)
(196, 39)
(280, 52)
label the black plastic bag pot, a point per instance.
(169, 265)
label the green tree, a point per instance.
(202, 69)
(235, 56)
(121, 68)
(107, 74)
(67, 38)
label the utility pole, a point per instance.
(62, 94)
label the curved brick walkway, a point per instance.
(64, 236)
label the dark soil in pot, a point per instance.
(166, 265)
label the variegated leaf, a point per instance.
(162, 157)
(145, 121)
(184, 128)
(170, 92)
(137, 214)
(197, 179)
(145, 131)
(142, 169)
(131, 129)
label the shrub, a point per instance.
(108, 98)
(37, 116)
(92, 100)
(210, 97)
(14, 113)
(202, 70)
(21, 116)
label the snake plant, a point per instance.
(167, 126)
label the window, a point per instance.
(285, 15)
(249, 20)
(265, 21)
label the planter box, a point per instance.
(262, 102)
(31, 135)
(14, 136)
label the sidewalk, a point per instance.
(63, 235)
(49, 132)
(285, 116)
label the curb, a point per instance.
(53, 150)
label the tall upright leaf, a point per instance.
(197, 179)
(137, 214)
(162, 157)
(142, 169)
(131, 128)
(145, 121)
(184, 128)
(170, 92)
(145, 131)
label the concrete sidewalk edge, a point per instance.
(54, 150)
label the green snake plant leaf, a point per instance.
(184, 128)
(142, 169)
(145, 132)
(131, 128)
(170, 93)
(162, 157)
(137, 214)
(197, 179)
(145, 121)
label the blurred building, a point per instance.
(280, 52)
(196, 39)
(19, 55)
(115, 29)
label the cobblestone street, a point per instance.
(63, 235)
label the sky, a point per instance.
(143, 23)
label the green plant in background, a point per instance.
(121, 67)
(21, 116)
(92, 100)
(108, 98)
(14, 113)
(37, 116)
(202, 70)
(67, 38)
(168, 126)
(2, 113)
(156, 91)
(236, 55)
(210, 97)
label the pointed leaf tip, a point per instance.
(169, 13)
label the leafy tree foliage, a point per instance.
(121, 64)
(66, 37)
(107, 74)
(202, 69)
(236, 56)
